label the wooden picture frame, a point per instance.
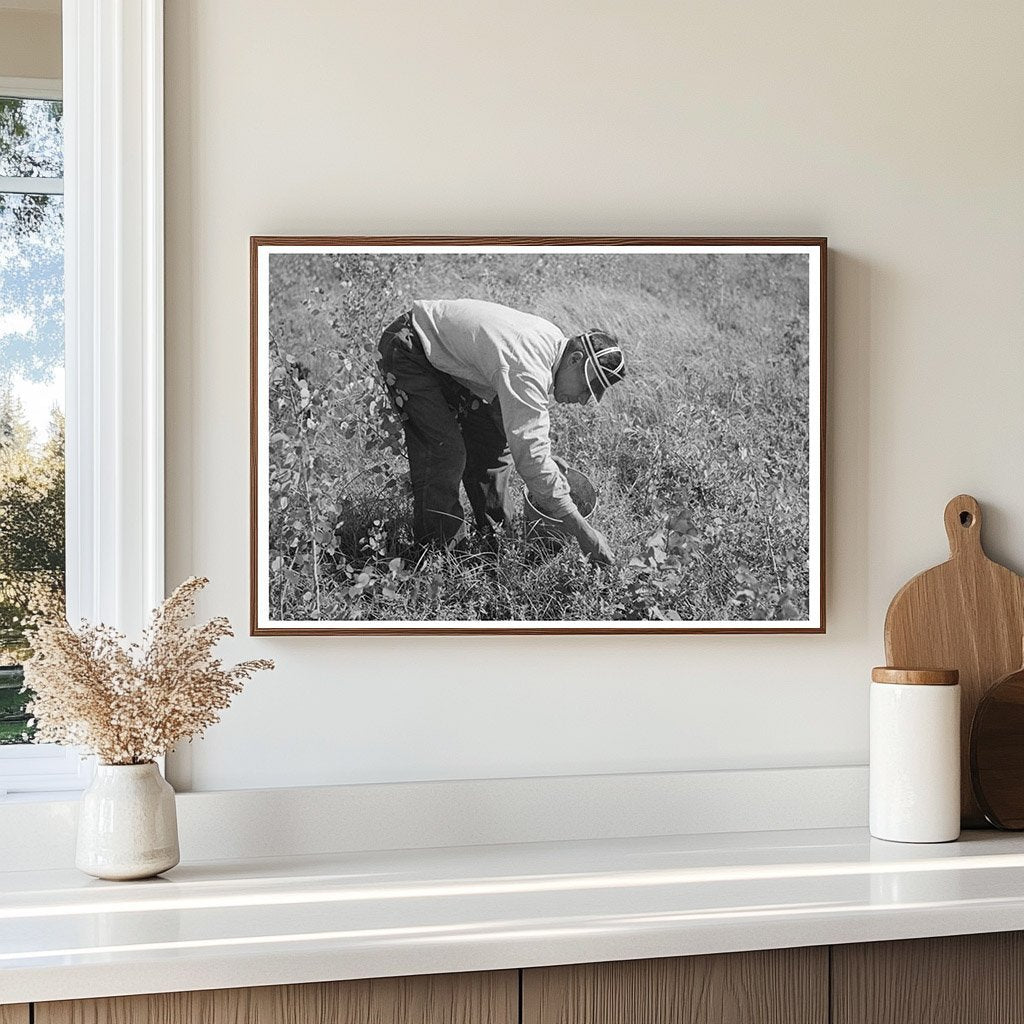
(708, 458)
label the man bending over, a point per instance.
(472, 382)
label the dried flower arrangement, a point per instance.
(130, 703)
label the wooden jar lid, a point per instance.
(916, 676)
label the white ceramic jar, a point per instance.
(915, 755)
(127, 823)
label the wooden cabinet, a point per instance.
(491, 998)
(962, 979)
(967, 979)
(777, 986)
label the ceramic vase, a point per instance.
(127, 825)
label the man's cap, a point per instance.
(605, 364)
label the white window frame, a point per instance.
(113, 283)
(31, 89)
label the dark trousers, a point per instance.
(451, 436)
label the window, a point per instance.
(31, 382)
(32, 531)
(113, 331)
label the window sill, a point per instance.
(46, 797)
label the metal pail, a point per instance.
(549, 531)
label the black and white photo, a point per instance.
(543, 435)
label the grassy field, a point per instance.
(700, 457)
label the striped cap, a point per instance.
(605, 364)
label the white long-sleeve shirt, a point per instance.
(494, 350)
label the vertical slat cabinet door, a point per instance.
(14, 1014)
(959, 979)
(480, 998)
(776, 986)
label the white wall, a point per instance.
(895, 129)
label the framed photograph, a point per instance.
(537, 435)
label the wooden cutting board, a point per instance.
(967, 614)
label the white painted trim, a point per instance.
(113, 80)
(32, 88)
(245, 824)
(32, 186)
(113, 158)
(43, 768)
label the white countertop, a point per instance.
(225, 924)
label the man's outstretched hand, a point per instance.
(593, 543)
(595, 546)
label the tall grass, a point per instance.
(700, 457)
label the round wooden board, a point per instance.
(997, 752)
